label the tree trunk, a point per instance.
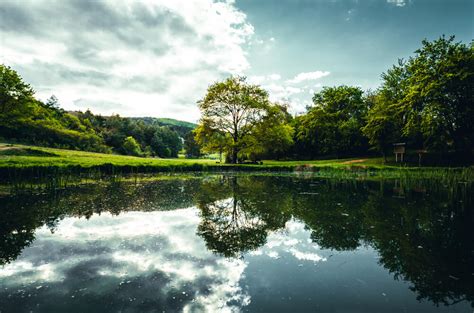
(234, 155)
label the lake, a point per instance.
(238, 243)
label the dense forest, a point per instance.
(425, 101)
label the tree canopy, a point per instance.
(427, 100)
(332, 125)
(233, 115)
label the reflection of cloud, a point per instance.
(156, 253)
(292, 241)
(306, 256)
(398, 3)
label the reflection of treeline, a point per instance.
(423, 233)
(23, 212)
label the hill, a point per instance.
(181, 127)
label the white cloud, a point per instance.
(284, 91)
(301, 77)
(153, 58)
(261, 79)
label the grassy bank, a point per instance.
(21, 156)
(18, 161)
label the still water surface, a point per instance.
(227, 243)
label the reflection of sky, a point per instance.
(292, 241)
(144, 261)
(136, 260)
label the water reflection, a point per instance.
(134, 246)
(236, 215)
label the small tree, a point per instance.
(131, 146)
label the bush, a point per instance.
(131, 146)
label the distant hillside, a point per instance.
(181, 127)
(170, 121)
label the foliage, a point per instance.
(158, 140)
(231, 108)
(24, 118)
(191, 146)
(272, 137)
(332, 125)
(182, 128)
(131, 146)
(237, 118)
(427, 100)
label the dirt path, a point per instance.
(354, 161)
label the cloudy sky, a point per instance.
(157, 57)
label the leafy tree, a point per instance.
(165, 143)
(428, 99)
(382, 127)
(231, 108)
(211, 140)
(272, 136)
(131, 146)
(191, 147)
(14, 93)
(332, 125)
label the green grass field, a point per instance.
(22, 161)
(33, 156)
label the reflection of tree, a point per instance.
(424, 238)
(332, 215)
(241, 221)
(427, 241)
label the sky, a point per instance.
(157, 57)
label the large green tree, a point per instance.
(231, 110)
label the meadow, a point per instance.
(19, 162)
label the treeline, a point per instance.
(25, 119)
(425, 102)
(133, 136)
